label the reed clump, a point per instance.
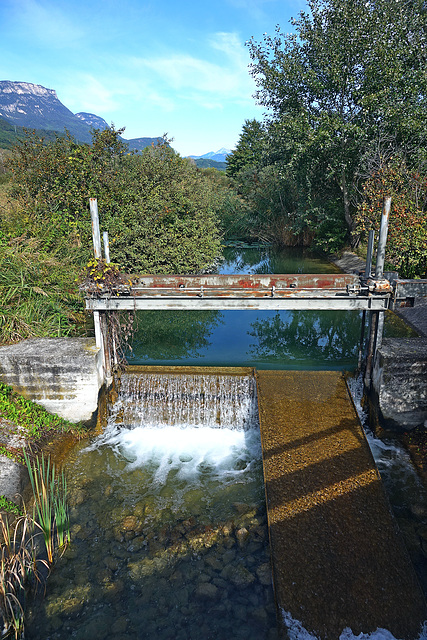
(32, 544)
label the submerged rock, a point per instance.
(238, 575)
(242, 536)
(264, 573)
(206, 591)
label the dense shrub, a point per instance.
(407, 235)
(159, 209)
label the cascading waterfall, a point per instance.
(187, 400)
(169, 526)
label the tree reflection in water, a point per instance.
(174, 335)
(324, 337)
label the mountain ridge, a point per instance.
(32, 106)
(216, 156)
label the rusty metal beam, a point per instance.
(338, 281)
(259, 291)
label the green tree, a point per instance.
(249, 150)
(160, 211)
(167, 215)
(352, 72)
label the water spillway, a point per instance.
(338, 559)
(189, 397)
(170, 532)
(168, 518)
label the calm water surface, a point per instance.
(263, 339)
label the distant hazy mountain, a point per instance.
(216, 156)
(23, 104)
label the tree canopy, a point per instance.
(160, 211)
(345, 91)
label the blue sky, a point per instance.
(153, 66)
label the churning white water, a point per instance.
(296, 631)
(185, 425)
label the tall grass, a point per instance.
(50, 503)
(20, 552)
(19, 569)
(38, 295)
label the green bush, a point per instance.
(159, 209)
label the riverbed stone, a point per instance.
(264, 573)
(206, 591)
(213, 562)
(238, 575)
(242, 536)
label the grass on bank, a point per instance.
(37, 292)
(24, 561)
(31, 545)
(34, 421)
(39, 297)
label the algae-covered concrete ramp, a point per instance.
(338, 560)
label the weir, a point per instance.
(337, 558)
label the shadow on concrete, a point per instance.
(338, 557)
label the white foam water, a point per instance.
(188, 452)
(186, 425)
(296, 631)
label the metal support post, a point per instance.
(369, 254)
(377, 317)
(379, 267)
(361, 341)
(96, 236)
(373, 325)
(106, 246)
(100, 321)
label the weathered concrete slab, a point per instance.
(400, 382)
(64, 375)
(415, 316)
(350, 263)
(337, 554)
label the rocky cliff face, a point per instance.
(36, 107)
(92, 120)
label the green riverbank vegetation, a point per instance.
(31, 543)
(162, 214)
(346, 123)
(31, 539)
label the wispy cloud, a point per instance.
(87, 93)
(200, 79)
(46, 22)
(253, 8)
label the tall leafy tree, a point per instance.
(249, 150)
(353, 72)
